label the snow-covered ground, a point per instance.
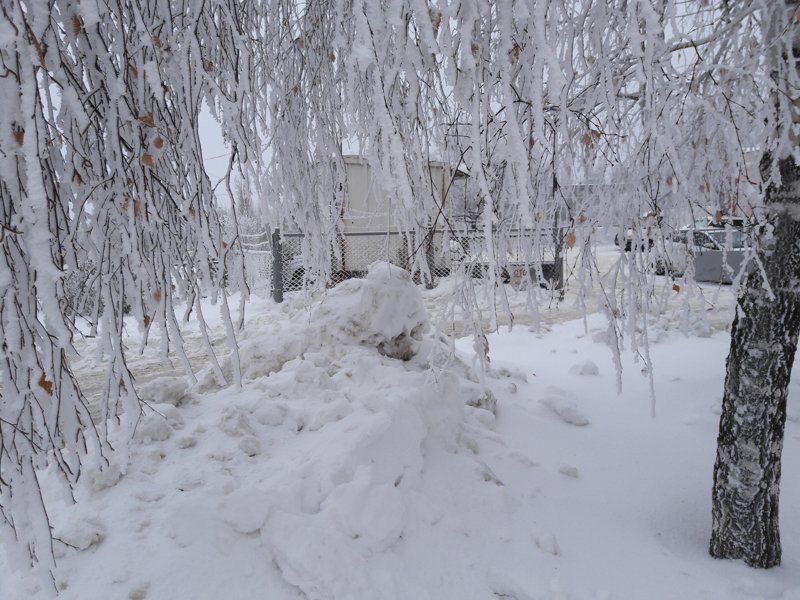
(342, 471)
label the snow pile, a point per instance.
(385, 310)
(313, 475)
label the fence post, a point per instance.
(277, 267)
(429, 281)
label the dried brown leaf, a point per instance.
(46, 384)
(436, 20)
(77, 26)
(39, 51)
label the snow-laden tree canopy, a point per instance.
(657, 103)
(107, 209)
(623, 114)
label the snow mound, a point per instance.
(78, 534)
(325, 476)
(585, 368)
(385, 310)
(153, 427)
(165, 390)
(564, 409)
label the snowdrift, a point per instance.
(311, 477)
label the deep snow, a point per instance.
(342, 472)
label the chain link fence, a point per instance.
(258, 258)
(523, 257)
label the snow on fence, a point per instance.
(257, 259)
(523, 256)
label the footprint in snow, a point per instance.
(139, 592)
(569, 471)
(548, 543)
(565, 410)
(585, 368)
(505, 586)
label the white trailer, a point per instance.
(371, 231)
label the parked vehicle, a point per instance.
(521, 264)
(719, 253)
(643, 230)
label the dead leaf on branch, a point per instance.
(77, 25)
(436, 20)
(590, 137)
(46, 384)
(33, 40)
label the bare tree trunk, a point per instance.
(764, 338)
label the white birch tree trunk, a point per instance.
(764, 336)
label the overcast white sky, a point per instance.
(215, 154)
